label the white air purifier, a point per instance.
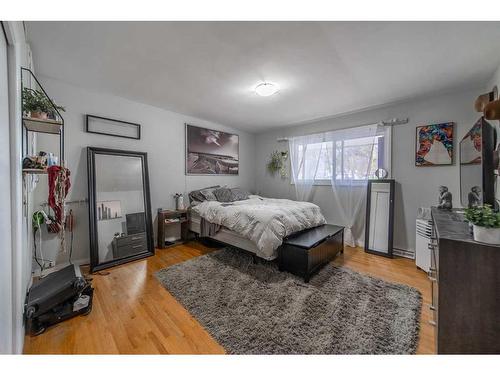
(423, 239)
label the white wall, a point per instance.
(5, 218)
(162, 138)
(416, 186)
(19, 266)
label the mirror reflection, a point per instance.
(471, 170)
(120, 211)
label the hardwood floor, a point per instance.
(134, 314)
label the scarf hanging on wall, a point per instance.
(59, 185)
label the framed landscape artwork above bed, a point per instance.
(211, 151)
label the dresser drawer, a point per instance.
(131, 249)
(131, 238)
(130, 245)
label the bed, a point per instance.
(250, 222)
(224, 235)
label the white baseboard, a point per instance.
(403, 253)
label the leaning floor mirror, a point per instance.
(119, 207)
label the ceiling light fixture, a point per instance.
(266, 89)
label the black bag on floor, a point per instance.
(57, 297)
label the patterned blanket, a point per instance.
(264, 221)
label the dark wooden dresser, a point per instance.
(465, 277)
(131, 244)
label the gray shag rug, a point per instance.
(256, 309)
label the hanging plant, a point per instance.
(277, 163)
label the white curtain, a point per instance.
(305, 154)
(350, 179)
(344, 159)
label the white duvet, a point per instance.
(264, 221)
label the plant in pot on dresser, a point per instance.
(485, 223)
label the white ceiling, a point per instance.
(209, 69)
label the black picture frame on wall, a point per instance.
(95, 264)
(217, 157)
(126, 127)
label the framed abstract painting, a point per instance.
(434, 144)
(211, 152)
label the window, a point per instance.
(352, 155)
(357, 158)
(316, 161)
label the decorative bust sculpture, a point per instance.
(474, 197)
(444, 198)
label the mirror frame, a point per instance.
(390, 239)
(488, 183)
(95, 265)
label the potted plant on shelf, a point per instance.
(37, 105)
(485, 223)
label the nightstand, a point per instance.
(172, 217)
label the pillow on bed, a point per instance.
(197, 196)
(223, 194)
(208, 194)
(239, 194)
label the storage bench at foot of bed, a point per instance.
(304, 253)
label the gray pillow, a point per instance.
(208, 194)
(223, 195)
(239, 194)
(198, 196)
